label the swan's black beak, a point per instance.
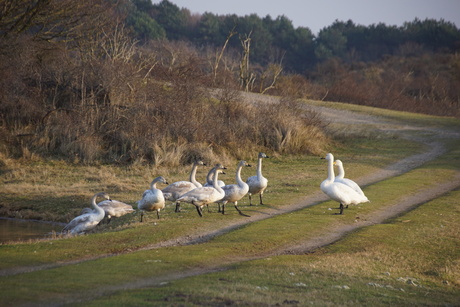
(248, 165)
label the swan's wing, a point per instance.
(230, 190)
(256, 185)
(146, 193)
(79, 220)
(178, 185)
(252, 180)
(234, 192)
(351, 184)
(114, 204)
(344, 194)
(86, 211)
(198, 194)
(176, 189)
(115, 208)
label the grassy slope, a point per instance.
(305, 174)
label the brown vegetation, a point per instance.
(424, 84)
(109, 99)
(79, 87)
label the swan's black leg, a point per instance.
(198, 208)
(239, 211)
(260, 196)
(158, 214)
(177, 206)
(142, 216)
(341, 208)
(250, 199)
(223, 208)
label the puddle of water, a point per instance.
(23, 230)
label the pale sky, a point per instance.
(317, 14)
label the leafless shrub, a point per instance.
(290, 128)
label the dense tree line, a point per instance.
(276, 37)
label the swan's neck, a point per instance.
(341, 173)
(259, 168)
(330, 170)
(193, 176)
(153, 185)
(239, 181)
(209, 176)
(215, 180)
(95, 206)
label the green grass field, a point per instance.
(411, 259)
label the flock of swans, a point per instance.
(338, 188)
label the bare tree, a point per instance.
(273, 72)
(247, 77)
(219, 56)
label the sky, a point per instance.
(317, 14)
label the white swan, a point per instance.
(87, 221)
(235, 192)
(205, 195)
(258, 183)
(338, 191)
(340, 178)
(176, 189)
(152, 199)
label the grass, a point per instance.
(410, 260)
(360, 262)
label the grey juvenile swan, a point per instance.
(209, 179)
(235, 192)
(258, 183)
(152, 199)
(176, 189)
(205, 195)
(89, 220)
